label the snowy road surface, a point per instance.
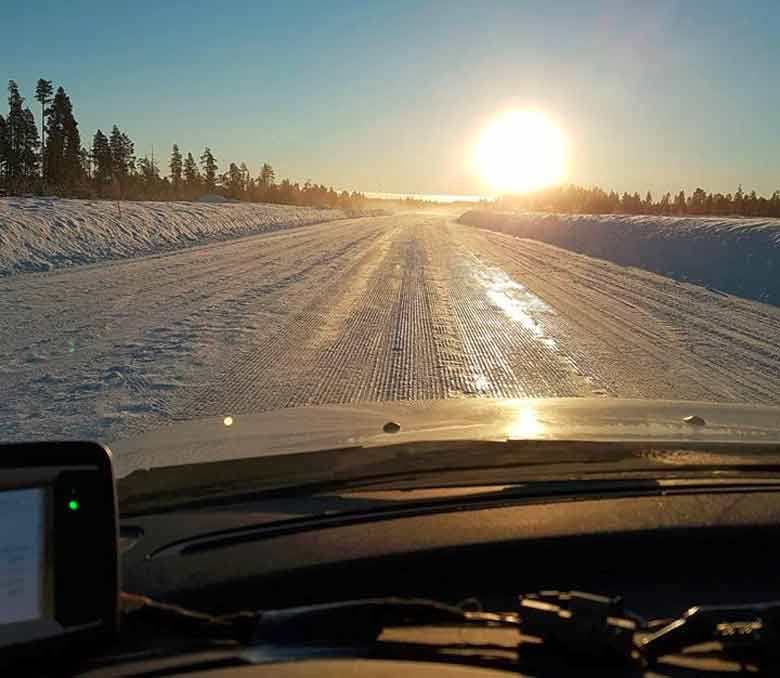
(412, 306)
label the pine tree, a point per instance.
(29, 147)
(102, 159)
(129, 153)
(774, 204)
(21, 142)
(71, 154)
(286, 193)
(175, 166)
(267, 176)
(122, 154)
(191, 173)
(150, 174)
(679, 203)
(234, 182)
(697, 201)
(709, 202)
(15, 131)
(85, 158)
(246, 179)
(751, 205)
(3, 151)
(739, 198)
(63, 147)
(43, 93)
(117, 149)
(209, 165)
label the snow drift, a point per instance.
(738, 256)
(38, 234)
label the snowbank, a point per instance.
(739, 256)
(37, 234)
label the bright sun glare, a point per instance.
(521, 151)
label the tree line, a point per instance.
(53, 161)
(595, 200)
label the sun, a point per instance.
(521, 151)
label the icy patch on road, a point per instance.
(38, 234)
(518, 304)
(738, 256)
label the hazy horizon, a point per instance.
(391, 97)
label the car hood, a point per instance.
(355, 439)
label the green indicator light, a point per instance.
(73, 505)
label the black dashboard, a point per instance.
(662, 551)
(660, 545)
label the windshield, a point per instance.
(209, 213)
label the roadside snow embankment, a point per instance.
(738, 256)
(38, 234)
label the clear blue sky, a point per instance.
(389, 96)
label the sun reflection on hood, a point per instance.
(526, 425)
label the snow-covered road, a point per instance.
(412, 306)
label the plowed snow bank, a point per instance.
(37, 234)
(739, 256)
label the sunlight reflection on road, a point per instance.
(518, 304)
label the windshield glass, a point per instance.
(209, 213)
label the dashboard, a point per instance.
(661, 551)
(661, 546)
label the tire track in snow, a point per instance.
(267, 374)
(411, 319)
(409, 307)
(507, 347)
(146, 329)
(663, 338)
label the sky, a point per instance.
(392, 96)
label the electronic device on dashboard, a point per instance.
(58, 549)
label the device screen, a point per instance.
(23, 566)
